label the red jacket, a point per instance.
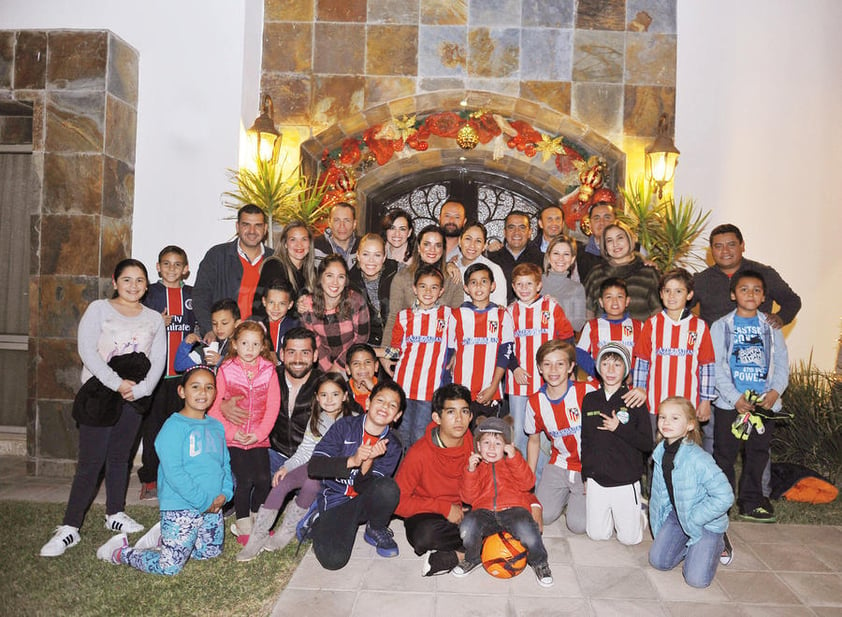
(499, 486)
(429, 476)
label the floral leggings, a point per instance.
(184, 534)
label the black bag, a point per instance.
(97, 405)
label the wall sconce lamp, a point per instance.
(661, 157)
(263, 133)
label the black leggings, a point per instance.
(251, 470)
(335, 530)
(108, 446)
(165, 402)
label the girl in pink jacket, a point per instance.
(248, 373)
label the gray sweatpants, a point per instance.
(558, 488)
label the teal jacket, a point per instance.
(702, 492)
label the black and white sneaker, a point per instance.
(122, 522)
(463, 568)
(544, 575)
(727, 555)
(65, 536)
(439, 562)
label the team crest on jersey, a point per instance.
(440, 324)
(545, 317)
(628, 331)
(691, 339)
(492, 327)
(574, 414)
(188, 304)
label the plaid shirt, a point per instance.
(335, 336)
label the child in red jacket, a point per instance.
(497, 484)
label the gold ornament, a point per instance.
(585, 225)
(549, 147)
(398, 129)
(467, 137)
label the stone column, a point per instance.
(83, 86)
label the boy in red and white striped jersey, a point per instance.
(537, 319)
(420, 337)
(482, 337)
(555, 411)
(614, 325)
(674, 355)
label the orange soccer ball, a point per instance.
(503, 556)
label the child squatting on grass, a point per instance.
(194, 482)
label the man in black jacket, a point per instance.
(221, 271)
(516, 250)
(297, 376)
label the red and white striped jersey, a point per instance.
(599, 331)
(534, 324)
(561, 421)
(476, 336)
(421, 335)
(675, 350)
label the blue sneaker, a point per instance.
(304, 528)
(383, 539)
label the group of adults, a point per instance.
(380, 267)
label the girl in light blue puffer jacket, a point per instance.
(688, 508)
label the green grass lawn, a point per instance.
(77, 583)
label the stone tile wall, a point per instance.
(608, 64)
(83, 88)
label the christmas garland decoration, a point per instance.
(380, 143)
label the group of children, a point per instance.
(586, 443)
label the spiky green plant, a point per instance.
(674, 239)
(667, 230)
(282, 196)
(642, 210)
(813, 437)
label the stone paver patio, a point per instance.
(778, 571)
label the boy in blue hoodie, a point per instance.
(752, 372)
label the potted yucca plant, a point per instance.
(282, 196)
(667, 230)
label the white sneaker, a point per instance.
(107, 550)
(151, 539)
(122, 522)
(65, 537)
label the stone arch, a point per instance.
(541, 175)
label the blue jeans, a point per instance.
(479, 524)
(708, 432)
(414, 422)
(700, 559)
(276, 461)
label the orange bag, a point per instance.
(812, 490)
